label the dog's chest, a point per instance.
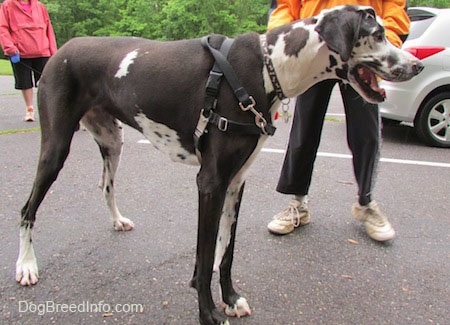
(166, 140)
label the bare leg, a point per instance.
(28, 97)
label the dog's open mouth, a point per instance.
(368, 82)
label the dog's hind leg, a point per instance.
(108, 134)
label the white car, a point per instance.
(425, 99)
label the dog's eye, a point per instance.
(370, 15)
(378, 36)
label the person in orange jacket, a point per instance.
(28, 39)
(362, 119)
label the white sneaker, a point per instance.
(377, 225)
(295, 215)
(29, 116)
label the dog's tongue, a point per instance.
(371, 79)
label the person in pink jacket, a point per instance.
(28, 40)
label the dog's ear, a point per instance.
(340, 29)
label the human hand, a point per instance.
(15, 58)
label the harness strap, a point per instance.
(214, 79)
(246, 102)
(224, 124)
(211, 92)
(228, 71)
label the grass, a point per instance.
(13, 131)
(333, 119)
(5, 68)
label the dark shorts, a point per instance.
(26, 70)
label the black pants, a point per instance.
(363, 138)
(26, 70)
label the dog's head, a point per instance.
(354, 34)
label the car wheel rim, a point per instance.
(439, 121)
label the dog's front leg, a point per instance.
(234, 304)
(210, 208)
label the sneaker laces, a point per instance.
(291, 213)
(372, 213)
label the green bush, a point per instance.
(5, 68)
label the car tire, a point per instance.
(432, 124)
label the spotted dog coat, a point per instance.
(158, 88)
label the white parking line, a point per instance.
(346, 156)
(388, 160)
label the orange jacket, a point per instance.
(395, 19)
(29, 34)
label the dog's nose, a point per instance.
(417, 67)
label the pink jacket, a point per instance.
(28, 33)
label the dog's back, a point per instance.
(127, 73)
(123, 72)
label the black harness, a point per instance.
(246, 102)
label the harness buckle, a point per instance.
(213, 83)
(201, 129)
(202, 123)
(222, 124)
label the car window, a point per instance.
(418, 27)
(420, 21)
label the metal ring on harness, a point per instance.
(222, 124)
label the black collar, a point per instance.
(270, 68)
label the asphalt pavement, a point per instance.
(328, 272)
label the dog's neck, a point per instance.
(296, 60)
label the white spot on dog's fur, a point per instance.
(165, 140)
(126, 62)
(229, 208)
(241, 308)
(26, 266)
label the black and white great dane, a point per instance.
(158, 88)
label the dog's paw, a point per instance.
(241, 308)
(123, 224)
(27, 273)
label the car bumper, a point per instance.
(400, 103)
